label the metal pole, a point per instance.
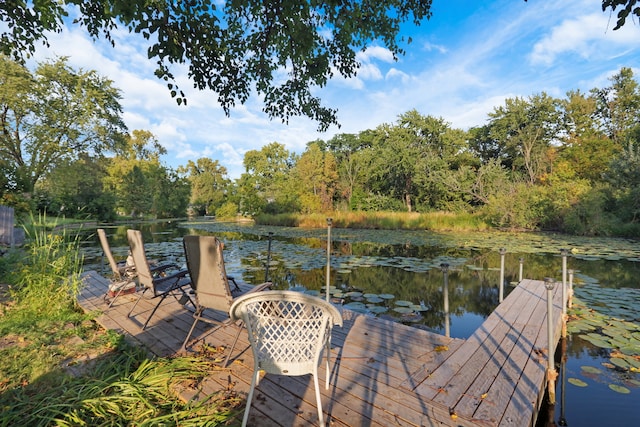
(551, 372)
(445, 292)
(501, 295)
(520, 274)
(562, 421)
(329, 220)
(266, 269)
(564, 253)
(570, 288)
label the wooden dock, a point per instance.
(383, 373)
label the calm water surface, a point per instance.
(400, 275)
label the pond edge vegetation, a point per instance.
(61, 368)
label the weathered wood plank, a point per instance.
(473, 384)
(382, 373)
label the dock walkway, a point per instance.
(383, 373)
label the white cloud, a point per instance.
(585, 36)
(430, 47)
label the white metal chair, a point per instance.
(287, 331)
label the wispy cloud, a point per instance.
(584, 36)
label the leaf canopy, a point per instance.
(278, 49)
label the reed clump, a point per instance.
(431, 221)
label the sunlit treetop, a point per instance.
(277, 49)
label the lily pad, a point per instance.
(577, 382)
(619, 389)
(591, 369)
(377, 309)
(403, 303)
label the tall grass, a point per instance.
(432, 221)
(46, 377)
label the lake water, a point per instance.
(400, 275)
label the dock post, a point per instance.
(445, 292)
(570, 288)
(564, 254)
(520, 274)
(551, 371)
(329, 221)
(501, 295)
(266, 269)
(562, 421)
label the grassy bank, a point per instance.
(434, 221)
(60, 368)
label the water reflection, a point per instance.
(402, 264)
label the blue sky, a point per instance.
(463, 62)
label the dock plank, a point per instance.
(382, 372)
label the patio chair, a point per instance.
(288, 331)
(122, 274)
(161, 281)
(210, 283)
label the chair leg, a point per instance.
(193, 326)
(235, 341)
(327, 352)
(254, 378)
(137, 301)
(318, 400)
(154, 311)
(116, 295)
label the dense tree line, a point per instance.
(539, 162)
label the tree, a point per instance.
(585, 147)
(348, 151)
(268, 172)
(316, 177)
(628, 7)
(142, 184)
(75, 189)
(526, 128)
(234, 48)
(209, 184)
(618, 106)
(52, 116)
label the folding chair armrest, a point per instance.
(260, 287)
(160, 268)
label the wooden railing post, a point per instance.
(551, 371)
(445, 292)
(564, 254)
(570, 303)
(328, 282)
(266, 269)
(520, 273)
(503, 251)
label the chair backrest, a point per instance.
(208, 275)
(287, 329)
(107, 252)
(136, 245)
